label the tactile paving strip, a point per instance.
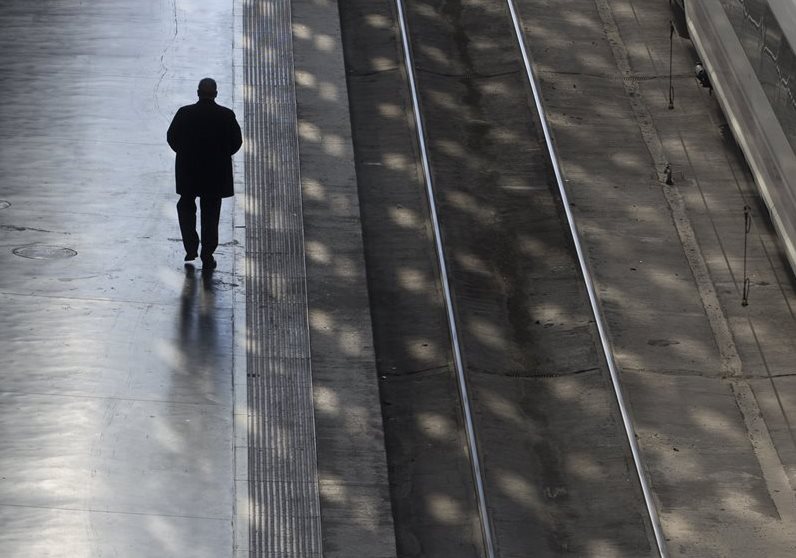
(283, 486)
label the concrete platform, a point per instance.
(125, 411)
(116, 430)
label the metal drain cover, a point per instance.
(44, 252)
(4, 204)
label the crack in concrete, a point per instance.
(18, 228)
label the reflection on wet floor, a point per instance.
(116, 401)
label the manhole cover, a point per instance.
(4, 204)
(42, 252)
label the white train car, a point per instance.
(747, 47)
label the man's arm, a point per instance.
(235, 138)
(174, 133)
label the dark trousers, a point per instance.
(210, 213)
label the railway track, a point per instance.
(506, 430)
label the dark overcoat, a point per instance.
(204, 136)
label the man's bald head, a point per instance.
(207, 89)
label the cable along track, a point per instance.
(476, 459)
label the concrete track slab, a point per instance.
(430, 478)
(535, 378)
(774, 395)
(704, 449)
(573, 476)
(717, 470)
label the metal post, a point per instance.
(668, 173)
(671, 49)
(747, 222)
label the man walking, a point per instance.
(204, 136)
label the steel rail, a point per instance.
(589, 281)
(472, 443)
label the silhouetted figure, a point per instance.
(204, 136)
(702, 77)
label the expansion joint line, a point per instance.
(472, 443)
(589, 282)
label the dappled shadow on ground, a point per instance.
(540, 391)
(657, 320)
(558, 473)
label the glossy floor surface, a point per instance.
(116, 433)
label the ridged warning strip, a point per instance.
(283, 478)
